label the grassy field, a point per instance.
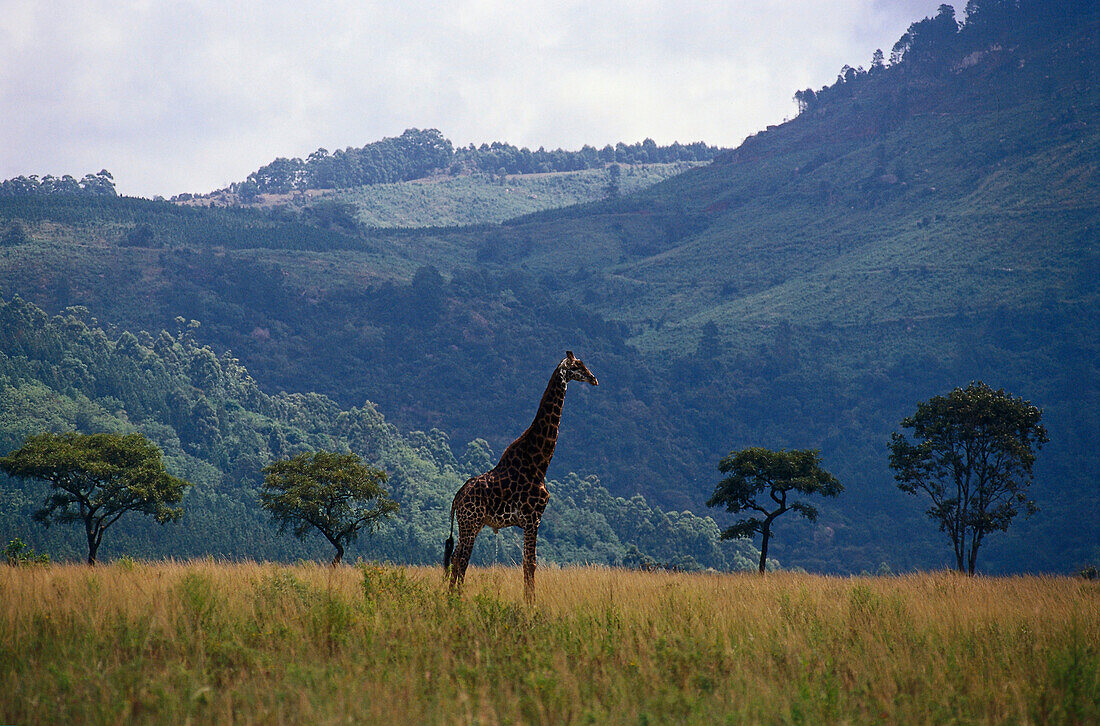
(247, 643)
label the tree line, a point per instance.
(101, 183)
(417, 154)
(158, 224)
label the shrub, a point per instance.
(18, 553)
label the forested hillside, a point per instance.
(218, 430)
(484, 186)
(920, 224)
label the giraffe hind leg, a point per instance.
(467, 534)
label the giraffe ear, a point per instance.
(569, 354)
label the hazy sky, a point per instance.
(174, 96)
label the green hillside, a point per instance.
(446, 200)
(933, 191)
(420, 179)
(917, 226)
(480, 199)
(218, 430)
(425, 154)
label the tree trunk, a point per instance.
(766, 532)
(339, 554)
(959, 543)
(975, 543)
(93, 542)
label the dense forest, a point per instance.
(417, 154)
(218, 430)
(927, 222)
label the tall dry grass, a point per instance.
(259, 643)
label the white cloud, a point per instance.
(188, 97)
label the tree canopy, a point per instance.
(972, 453)
(97, 478)
(335, 494)
(757, 475)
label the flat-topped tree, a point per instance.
(97, 478)
(765, 481)
(335, 494)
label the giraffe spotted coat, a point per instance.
(513, 493)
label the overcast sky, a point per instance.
(174, 96)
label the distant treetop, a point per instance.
(416, 154)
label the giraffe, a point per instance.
(513, 493)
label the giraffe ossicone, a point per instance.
(513, 493)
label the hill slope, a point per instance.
(218, 430)
(449, 200)
(482, 199)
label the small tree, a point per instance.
(756, 472)
(97, 478)
(972, 455)
(141, 235)
(614, 179)
(804, 99)
(878, 61)
(331, 493)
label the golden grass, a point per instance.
(260, 643)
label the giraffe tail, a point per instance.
(449, 545)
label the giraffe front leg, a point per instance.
(530, 541)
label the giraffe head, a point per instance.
(572, 369)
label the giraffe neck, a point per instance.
(532, 451)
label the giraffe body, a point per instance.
(513, 493)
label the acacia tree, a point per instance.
(335, 494)
(764, 481)
(97, 478)
(972, 455)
